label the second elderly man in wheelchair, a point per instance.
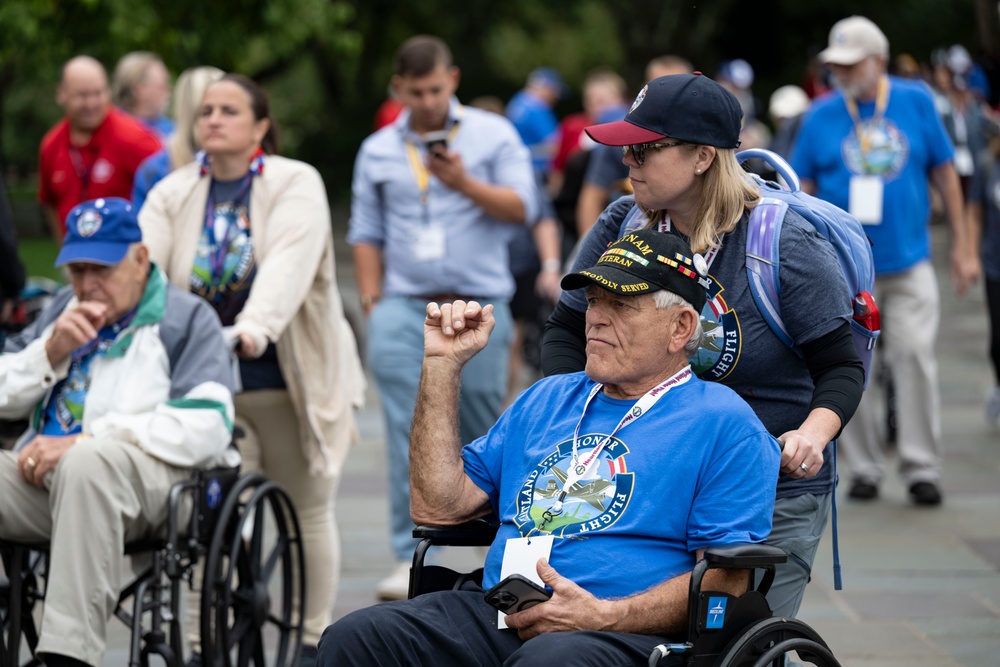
(126, 381)
(609, 485)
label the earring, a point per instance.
(697, 171)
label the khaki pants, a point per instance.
(103, 493)
(910, 310)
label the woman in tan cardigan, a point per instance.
(250, 232)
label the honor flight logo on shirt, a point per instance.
(721, 344)
(883, 152)
(591, 503)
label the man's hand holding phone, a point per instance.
(516, 593)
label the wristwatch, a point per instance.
(369, 300)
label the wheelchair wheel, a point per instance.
(19, 593)
(253, 593)
(769, 641)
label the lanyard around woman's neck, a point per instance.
(580, 469)
(881, 104)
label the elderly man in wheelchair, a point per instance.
(609, 485)
(127, 383)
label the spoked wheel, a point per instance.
(253, 593)
(767, 643)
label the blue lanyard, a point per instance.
(219, 248)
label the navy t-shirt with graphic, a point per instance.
(224, 269)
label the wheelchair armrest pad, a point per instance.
(477, 533)
(744, 556)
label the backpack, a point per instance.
(840, 228)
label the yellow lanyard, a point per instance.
(419, 168)
(881, 103)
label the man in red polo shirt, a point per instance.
(92, 152)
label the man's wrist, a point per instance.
(369, 300)
(551, 266)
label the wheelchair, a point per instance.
(723, 630)
(245, 533)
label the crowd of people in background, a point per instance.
(494, 201)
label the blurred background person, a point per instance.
(607, 178)
(182, 145)
(786, 107)
(965, 117)
(250, 232)
(141, 86)
(604, 94)
(93, 151)
(984, 216)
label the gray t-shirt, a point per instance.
(739, 349)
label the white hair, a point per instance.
(666, 299)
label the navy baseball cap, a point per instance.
(646, 261)
(100, 231)
(687, 107)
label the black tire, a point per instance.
(241, 572)
(768, 640)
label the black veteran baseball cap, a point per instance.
(687, 107)
(646, 261)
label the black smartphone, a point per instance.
(516, 593)
(436, 142)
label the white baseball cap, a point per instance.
(788, 102)
(852, 40)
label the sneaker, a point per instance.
(397, 585)
(925, 493)
(993, 406)
(863, 491)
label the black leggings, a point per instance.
(993, 309)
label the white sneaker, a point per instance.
(397, 585)
(993, 406)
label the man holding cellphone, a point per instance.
(609, 484)
(435, 200)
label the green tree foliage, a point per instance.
(327, 63)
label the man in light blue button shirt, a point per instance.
(436, 198)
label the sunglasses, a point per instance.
(639, 150)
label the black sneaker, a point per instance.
(863, 491)
(925, 493)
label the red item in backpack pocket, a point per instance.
(866, 311)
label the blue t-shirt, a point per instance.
(538, 127)
(739, 348)
(696, 470)
(151, 171)
(907, 143)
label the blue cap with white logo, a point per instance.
(100, 231)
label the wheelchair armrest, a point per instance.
(476, 533)
(744, 556)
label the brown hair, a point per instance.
(419, 55)
(261, 107)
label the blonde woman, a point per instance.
(679, 142)
(182, 145)
(249, 231)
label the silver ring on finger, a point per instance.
(804, 467)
